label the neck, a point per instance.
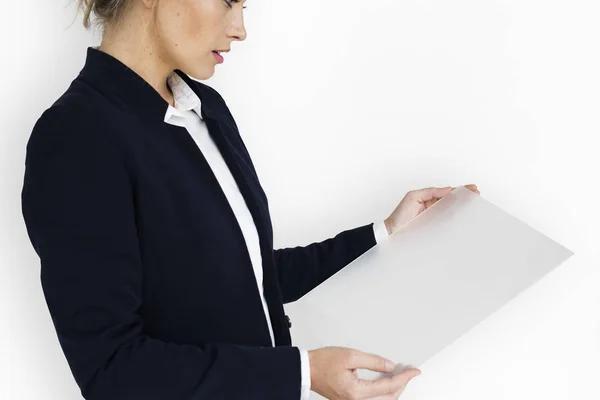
(138, 52)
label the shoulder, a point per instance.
(75, 124)
(81, 116)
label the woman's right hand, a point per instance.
(333, 375)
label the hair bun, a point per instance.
(104, 11)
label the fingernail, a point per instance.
(390, 365)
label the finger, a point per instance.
(385, 386)
(373, 362)
(409, 374)
(431, 202)
(431, 193)
(473, 188)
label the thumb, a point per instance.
(410, 373)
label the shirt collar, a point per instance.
(124, 86)
(185, 98)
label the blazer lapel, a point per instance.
(241, 173)
(251, 191)
(239, 170)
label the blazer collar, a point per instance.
(116, 79)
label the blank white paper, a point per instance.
(444, 272)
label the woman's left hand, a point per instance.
(415, 202)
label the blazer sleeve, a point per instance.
(78, 207)
(301, 269)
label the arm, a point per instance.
(381, 233)
(77, 203)
(301, 269)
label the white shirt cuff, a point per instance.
(305, 370)
(380, 231)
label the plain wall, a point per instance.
(344, 107)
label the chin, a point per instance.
(200, 75)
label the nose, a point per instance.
(240, 36)
(237, 31)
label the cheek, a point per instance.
(175, 25)
(189, 34)
(201, 22)
(191, 29)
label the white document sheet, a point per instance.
(441, 274)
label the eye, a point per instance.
(233, 1)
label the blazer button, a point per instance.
(289, 321)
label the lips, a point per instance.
(218, 57)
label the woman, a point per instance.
(154, 236)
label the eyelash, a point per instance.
(228, 2)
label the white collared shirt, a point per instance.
(186, 113)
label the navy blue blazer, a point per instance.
(144, 267)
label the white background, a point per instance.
(346, 106)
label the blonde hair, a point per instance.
(105, 12)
